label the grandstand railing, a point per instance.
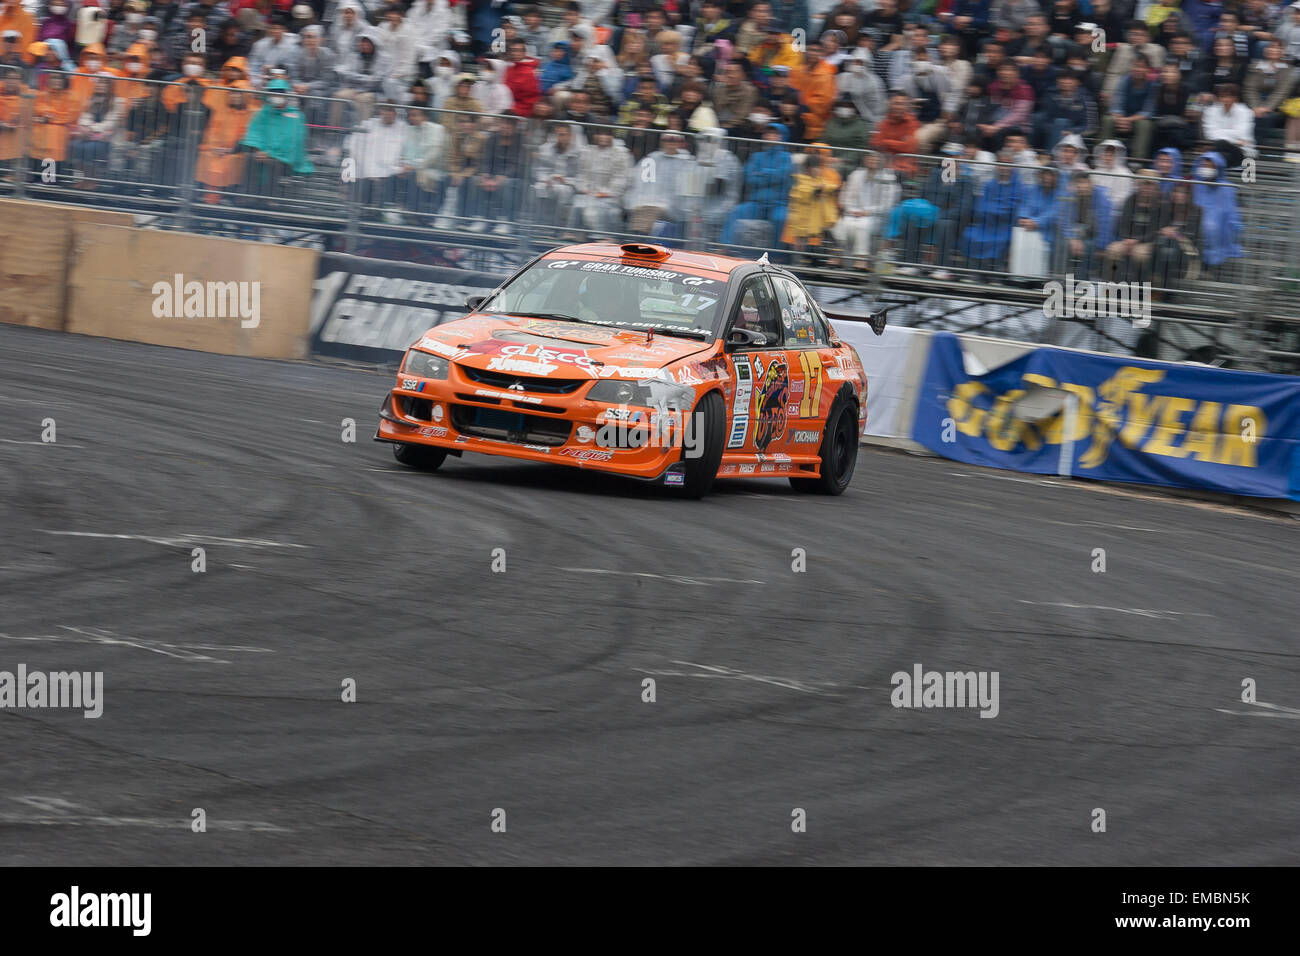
(164, 159)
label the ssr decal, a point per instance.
(740, 405)
(769, 409)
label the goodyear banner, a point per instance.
(1151, 422)
(369, 310)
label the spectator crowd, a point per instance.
(1021, 136)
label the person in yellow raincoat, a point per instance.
(220, 165)
(11, 116)
(813, 207)
(55, 111)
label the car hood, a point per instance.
(551, 348)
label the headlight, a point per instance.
(652, 393)
(424, 365)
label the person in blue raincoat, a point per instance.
(1220, 215)
(1168, 163)
(557, 69)
(935, 219)
(987, 240)
(768, 176)
(1040, 205)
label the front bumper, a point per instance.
(460, 415)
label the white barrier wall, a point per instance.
(895, 366)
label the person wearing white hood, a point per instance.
(365, 75)
(1111, 174)
(713, 186)
(603, 172)
(433, 21)
(347, 25)
(600, 76)
(871, 192)
(860, 82)
(442, 79)
(490, 89)
(1069, 155)
(555, 174)
(655, 200)
(400, 41)
(376, 149)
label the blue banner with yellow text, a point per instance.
(1158, 423)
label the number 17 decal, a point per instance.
(812, 390)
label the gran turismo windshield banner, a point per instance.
(1157, 423)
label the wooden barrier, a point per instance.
(35, 253)
(189, 291)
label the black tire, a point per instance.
(424, 457)
(706, 421)
(839, 452)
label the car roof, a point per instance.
(672, 258)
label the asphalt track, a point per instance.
(522, 690)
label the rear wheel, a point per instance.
(839, 453)
(705, 429)
(424, 457)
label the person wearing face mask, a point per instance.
(93, 60)
(54, 112)
(126, 33)
(712, 186)
(58, 24)
(442, 78)
(221, 163)
(135, 68)
(861, 84)
(277, 139)
(91, 137)
(847, 134)
(1221, 224)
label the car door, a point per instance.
(808, 353)
(760, 373)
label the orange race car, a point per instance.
(668, 366)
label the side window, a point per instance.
(758, 311)
(803, 327)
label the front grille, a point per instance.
(531, 383)
(509, 426)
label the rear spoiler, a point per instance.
(875, 319)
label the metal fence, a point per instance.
(487, 191)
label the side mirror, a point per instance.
(745, 337)
(472, 302)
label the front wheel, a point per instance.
(839, 453)
(704, 454)
(424, 457)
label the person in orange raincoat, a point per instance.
(813, 207)
(14, 17)
(896, 134)
(93, 60)
(220, 164)
(135, 66)
(55, 111)
(11, 116)
(815, 81)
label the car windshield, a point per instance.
(612, 293)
